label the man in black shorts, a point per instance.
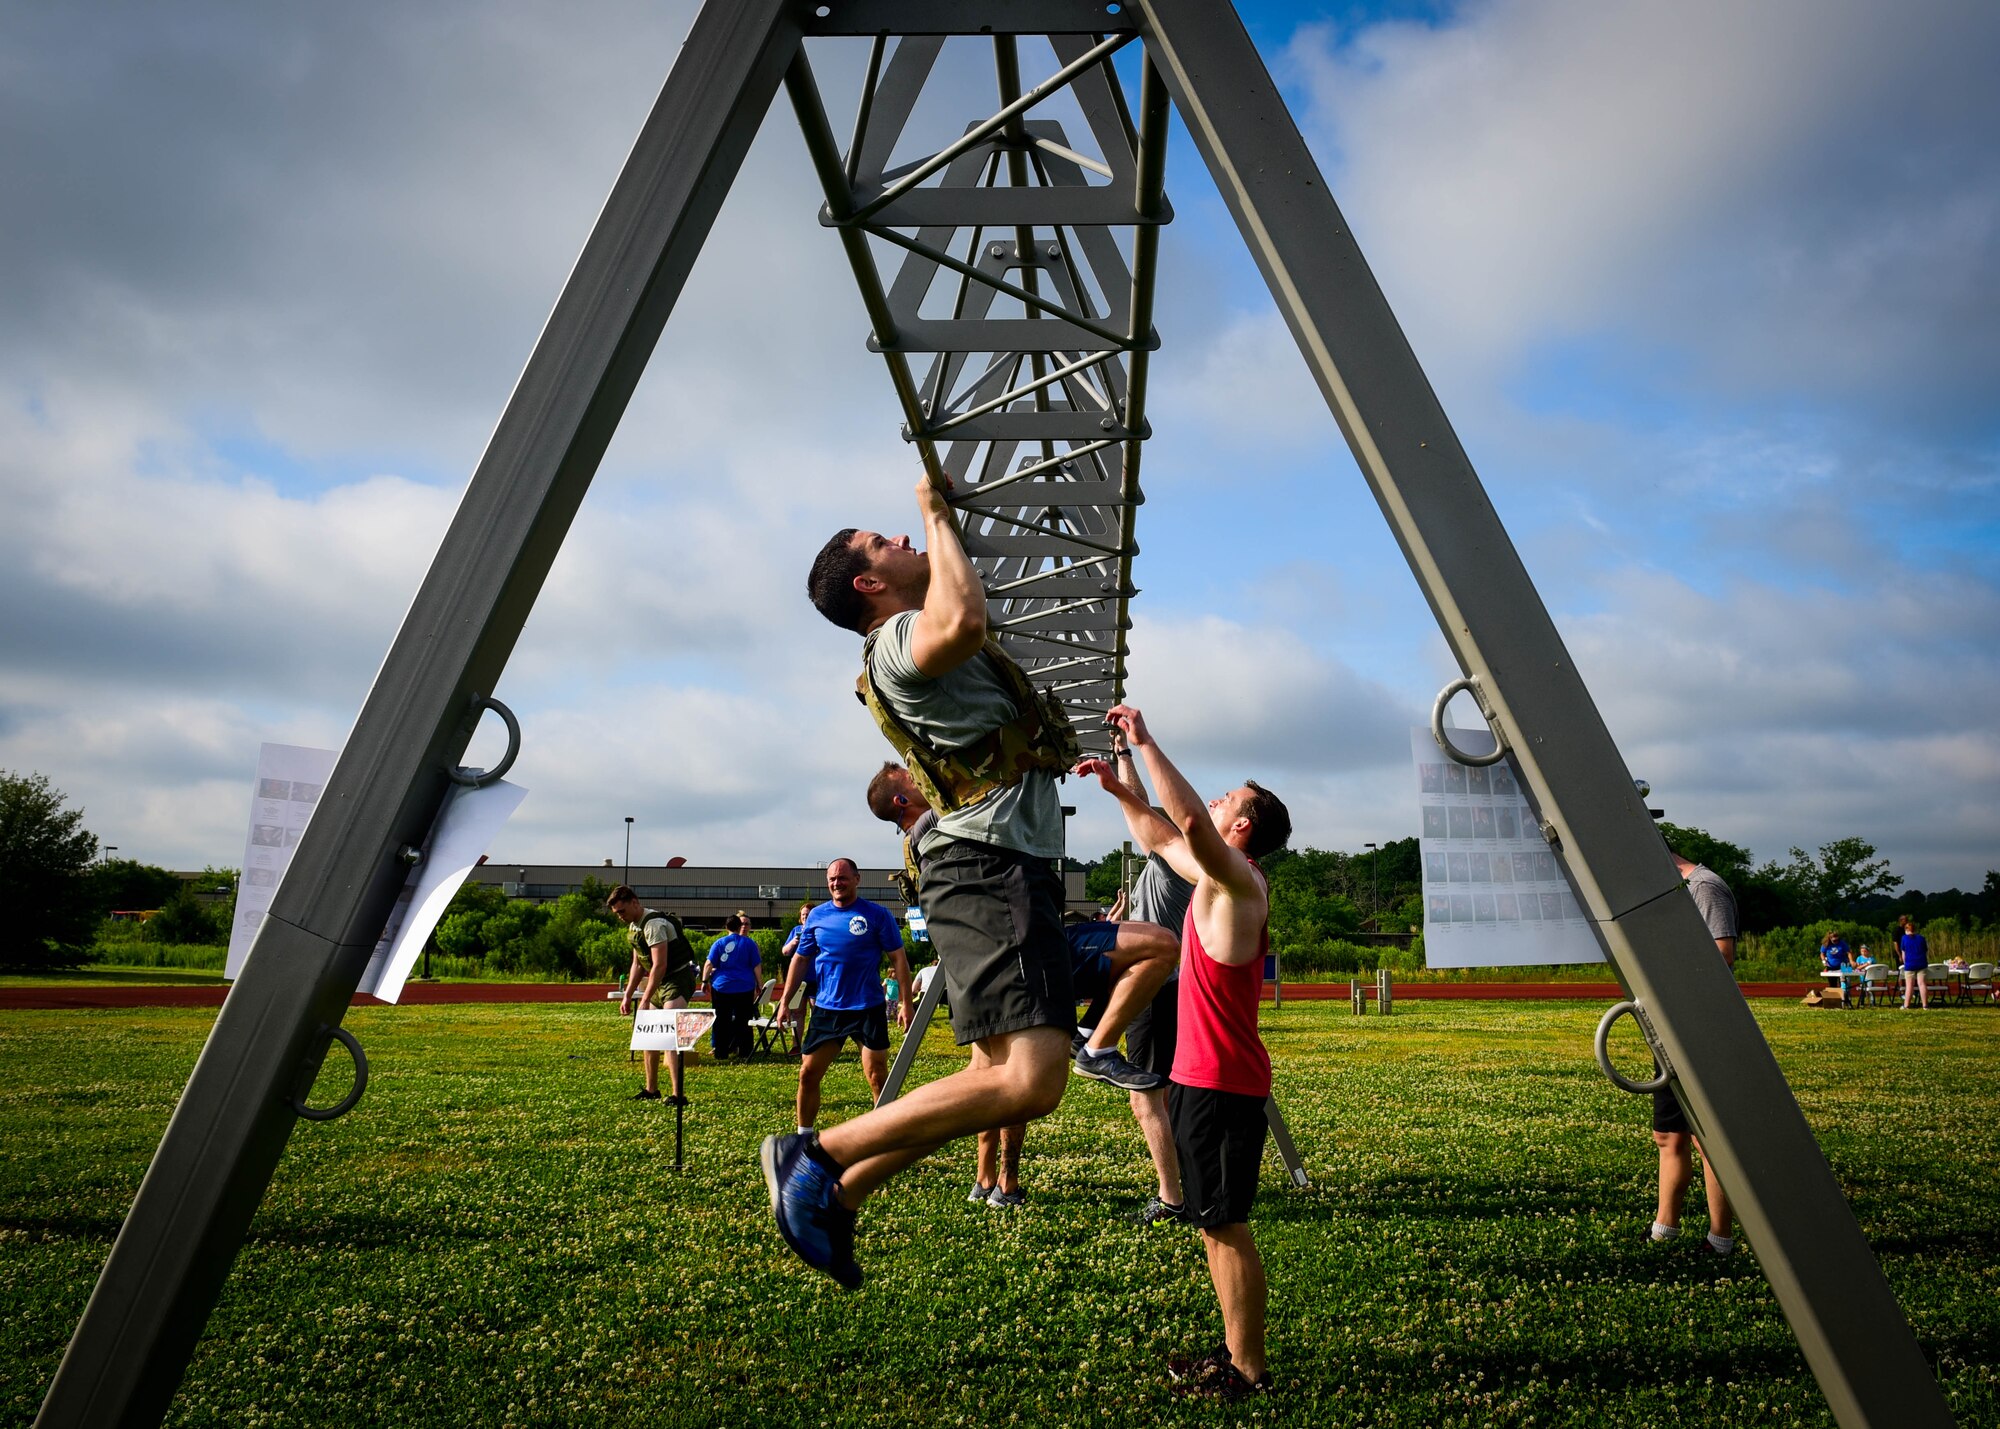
(843, 941)
(990, 889)
(1222, 1074)
(1672, 1134)
(1159, 895)
(1119, 966)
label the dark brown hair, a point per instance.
(882, 793)
(831, 582)
(1270, 821)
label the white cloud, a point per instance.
(1791, 197)
(245, 369)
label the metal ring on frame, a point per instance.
(1619, 1079)
(346, 1103)
(478, 778)
(1478, 761)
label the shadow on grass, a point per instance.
(1439, 1196)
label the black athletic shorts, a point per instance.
(1155, 1033)
(995, 918)
(1220, 1138)
(1667, 1113)
(868, 1026)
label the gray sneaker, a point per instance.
(1110, 1066)
(979, 1194)
(1006, 1200)
(1158, 1212)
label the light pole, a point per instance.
(1375, 884)
(628, 849)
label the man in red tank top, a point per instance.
(1222, 1074)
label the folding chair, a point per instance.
(1876, 982)
(1977, 982)
(782, 1038)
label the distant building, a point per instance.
(705, 896)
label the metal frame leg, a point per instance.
(913, 1038)
(174, 1252)
(1841, 1308)
(1282, 1135)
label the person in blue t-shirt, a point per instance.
(843, 940)
(1916, 963)
(729, 973)
(1834, 958)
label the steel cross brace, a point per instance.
(1039, 416)
(194, 1207)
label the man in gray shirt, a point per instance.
(1671, 1132)
(1159, 895)
(991, 892)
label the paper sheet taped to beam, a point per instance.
(1494, 893)
(290, 778)
(465, 827)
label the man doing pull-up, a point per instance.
(963, 713)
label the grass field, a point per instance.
(496, 1236)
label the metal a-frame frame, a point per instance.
(194, 1207)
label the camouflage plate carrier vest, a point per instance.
(1038, 737)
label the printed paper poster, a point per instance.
(1494, 892)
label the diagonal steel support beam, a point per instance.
(227, 1134)
(1841, 1308)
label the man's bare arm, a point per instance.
(906, 1008)
(783, 1010)
(1217, 859)
(1170, 846)
(1148, 828)
(951, 627)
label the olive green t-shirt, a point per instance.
(950, 712)
(677, 972)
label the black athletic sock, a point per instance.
(818, 1153)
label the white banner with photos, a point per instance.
(1494, 893)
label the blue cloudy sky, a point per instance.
(1709, 290)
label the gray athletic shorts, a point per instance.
(995, 917)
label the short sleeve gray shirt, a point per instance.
(1716, 902)
(1159, 895)
(950, 712)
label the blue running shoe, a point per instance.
(810, 1217)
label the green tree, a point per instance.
(1102, 881)
(118, 884)
(1309, 897)
(1844, 873)
(45, 876)
(1731, 861)
(185, 919)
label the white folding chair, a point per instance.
(782, 1037)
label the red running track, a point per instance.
(79, 995)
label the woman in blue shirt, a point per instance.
(1916, 960)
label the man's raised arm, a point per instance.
(951, 627)
(1149, 830)
(1228, 866)
(1161, 838)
